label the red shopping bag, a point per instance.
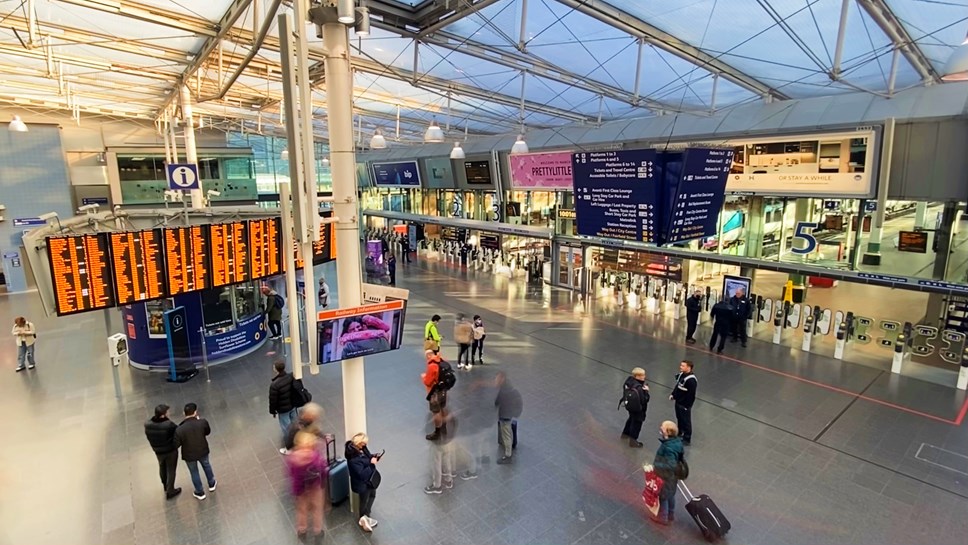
(653, 485)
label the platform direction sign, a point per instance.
(183, 176)
(617, 194)
(699, 195)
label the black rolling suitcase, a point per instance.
(711, 521)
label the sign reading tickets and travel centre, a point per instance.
(699, 195)
(616, 194)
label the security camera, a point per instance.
(48, 216)
(213, 193)
(92, 207)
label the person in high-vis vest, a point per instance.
(432, 337)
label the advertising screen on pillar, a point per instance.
(617, 194)
(402, 174)
(698, 197)
(359, 331)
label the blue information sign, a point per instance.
(699, 195)
(404, 173)
(183, 176)
(28, 222)
(617, 194)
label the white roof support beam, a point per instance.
(626, 22)
(881, 13)
(150, 14)
(464, 8)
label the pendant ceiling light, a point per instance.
(17, 125)
(520, 146)
(434, 134)
(378, 141)
(325, 161)
(457, 152)
(284, 155)
(956, 69)
(346, 12)
(362, 21)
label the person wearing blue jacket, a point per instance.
(364, 476)
(666, 458)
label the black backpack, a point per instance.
(280, 302)
(446, 379)
(632, 400)
(299, 394)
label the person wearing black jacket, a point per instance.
(741, 313)
(637, 404)
(364, 476)
(693, 307)
(281, 402)
(191, 438)
(160, 432)
(509, 405)
(723, 318)
(684, 394)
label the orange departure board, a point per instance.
(138, 266)
(265, 247)
(80, 273)
(186, 259)
(324, 250)
(230, 253)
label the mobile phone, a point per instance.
(380, 455)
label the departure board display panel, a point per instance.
(324, 250)
(230, 253)
(265, 247)
(138, 266)
(80, 273)
(186, 259)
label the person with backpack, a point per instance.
(635, 399)
(669, 463)
(438, 378)
(273, 305)
(479, 335)
(284, 400)
(684, 394)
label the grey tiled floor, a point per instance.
(790, 462)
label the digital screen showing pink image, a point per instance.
(551, 171)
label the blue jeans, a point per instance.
(667, 507)
(196, 479)
(285, 420)
(25, 352)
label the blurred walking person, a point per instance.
(464, 337)
(282, 404)
(509, 405)
(307, 473)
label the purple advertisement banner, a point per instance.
(547, 171)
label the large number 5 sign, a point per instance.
(804, 231)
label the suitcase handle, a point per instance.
(685, 491)
(330, 448)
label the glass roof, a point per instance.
(478, 67)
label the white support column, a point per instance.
(522, 35)
(288, 243)
(339, 89)
(892, 78)
(638, 71)
(873, 254)
(712, 99)
(841, 34)
(198, 195)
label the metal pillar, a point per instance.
(339, 99)
(873, 254)
(288, 242)
(920, 214)
(638, 71)
(841, 34)
(198, 196)
(522, 42)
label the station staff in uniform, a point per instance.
(693, 308)
(684, 395)
(741, 313)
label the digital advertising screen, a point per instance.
(265, 248)
(80, 271)
(138, 266)
(400, 174)
(478, 172)
(229, 253)
(186, 259)
(359, 331)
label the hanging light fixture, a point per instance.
(434, 134)
(325, 161)
(457, 152)
(520, 146)
(346, 12)
(285, 154)
(17, 125)
(956, 69)
(362, 27)
(377, 141)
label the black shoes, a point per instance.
(686, 442)
(433, 436)
(172, 494)
(635, 444)
(690, 341)
(720, 351)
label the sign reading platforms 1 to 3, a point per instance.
(616, 194)
(699, 195)
(80, 273)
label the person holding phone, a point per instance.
(24, 334)
(364, 476)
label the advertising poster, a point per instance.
(359, 331)
(541, 171)
(155, 311)
(402, 174)
(617, 194)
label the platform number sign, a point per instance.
(804, 231)
(183, 176)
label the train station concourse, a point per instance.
(583, 272)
